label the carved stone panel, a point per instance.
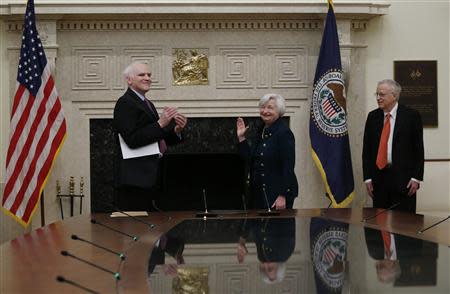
(234, 278)
(237, 67)
(288, 66)
(91, 68)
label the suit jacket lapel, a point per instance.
(398, 123)
(379, 122)
(142, 104)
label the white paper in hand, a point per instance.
(127, 152)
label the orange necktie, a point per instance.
(387, 242)
(383, 147)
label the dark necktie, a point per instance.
(162, 143)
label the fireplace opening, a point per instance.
(206, 159)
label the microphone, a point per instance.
(135, 238)
(324, 213)
(160, 211)
(269, 211)
(115, 274)
(120, 254)
(382, 211)
(433, 225)
(243, 203)
(206, 213)
(61, 279)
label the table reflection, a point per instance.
(402, 261)
(275, 242)
(292, 255)
(328, 253)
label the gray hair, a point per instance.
(279, 102)
(396, 88)
(130, 70)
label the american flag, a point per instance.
(37, 128)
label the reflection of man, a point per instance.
(166, 244)
(393, 155)
(138, 123)
(275, 242)
(402, 260)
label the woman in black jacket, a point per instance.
(271, 157)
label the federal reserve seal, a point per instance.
(328, 254)
(329, 105)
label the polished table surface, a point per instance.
(321, 250)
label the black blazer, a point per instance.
(275, 167)
(138, 126)
(407, 146)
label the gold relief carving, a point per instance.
(189, 68)
(191, 281)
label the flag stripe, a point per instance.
(17, 98)
(20, 125)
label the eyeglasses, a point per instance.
(381, 95)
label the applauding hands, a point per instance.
(170, 113)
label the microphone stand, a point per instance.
(383, 211)
(61, 279)
(433, 225)
(205, 214)
(324, 213)
(243, 204)
(269, 211)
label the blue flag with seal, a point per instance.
(328, 119)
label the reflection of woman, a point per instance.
(271, 157)
(275, 242)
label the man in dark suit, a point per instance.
(136, 120)
(393, 154)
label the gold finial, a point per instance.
(58, 188)
(81, 185)
(71, 186)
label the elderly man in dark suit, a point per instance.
(137, 121)
(393, 153)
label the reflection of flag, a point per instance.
(329, 254)
(38, 127)
(328, 120)
(328, 243)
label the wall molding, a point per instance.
(187, 25)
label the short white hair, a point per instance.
(281, 272)
(130, 70)
(395, 86)
(279, 102)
